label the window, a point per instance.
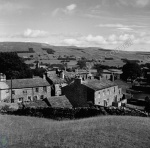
(42, 97)
(99, 95)
(25, 91)
(20, 99)
(29, 98)
(108, 92)
(114, 89)
(12, 100)
(60, 86)
(7, 91)
(45, 88)
(115, 98)
(119, 91)
(37, 89)
(13, 92)
(104, 93)
(35, 98)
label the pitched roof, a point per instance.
(59, 102)
(69, 74)
(35, 104)
(117, 71)
(57, 80)
(27, 83)
(99, 84)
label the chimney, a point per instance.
(44, 76)
(62, 75)
(112, 77)
(2, 77)
(78, 80)
(99, 77)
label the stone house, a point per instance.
(57, 81)
(107, 74)
(24, 90)
(98, 92)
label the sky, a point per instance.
(83, 23)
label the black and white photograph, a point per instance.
(74, 73)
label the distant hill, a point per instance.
(48, 52)
(20, 46)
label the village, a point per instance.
(77, 88)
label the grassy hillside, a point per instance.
(89, 53)
(100, 132)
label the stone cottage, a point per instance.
(98, 92)
(23, 90)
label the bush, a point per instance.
(76, 113)
(5, 109)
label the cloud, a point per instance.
(12, 7)
(111, 25)
(72, 42)
(55, 12)
(125, 28)
(96, 39)
(126, 37)
(67, 34)
(70, 9)
(141, 3)
(119, 26)
(112, 39)
(29, 33)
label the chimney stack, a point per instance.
(99, 77)
(112, 77)
(2, 77)
(78, 80)
(62, 75)
(44, 76)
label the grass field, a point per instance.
(99, 132)
(89, 53)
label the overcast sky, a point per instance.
(100, 23)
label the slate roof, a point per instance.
(99, 84)
(27, 83)
(117, 71)
(36, 104)
(57, 80)
(59, 102)
(70, 74)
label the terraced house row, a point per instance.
(80, 90)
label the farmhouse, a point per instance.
(23, 90)
(98, 92)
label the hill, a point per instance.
(48, 54)
(100, 132)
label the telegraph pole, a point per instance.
(11, 89)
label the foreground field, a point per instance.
(100, 132)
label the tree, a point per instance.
(39, 72)
(82, 64)
(147, 104)
(13, 66)
(131, 70)
(100, 68)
